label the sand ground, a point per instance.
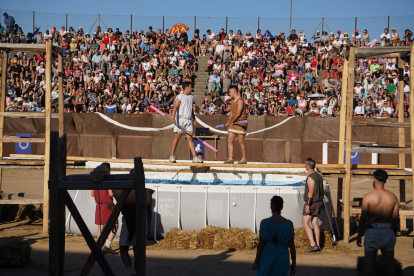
(341, 260)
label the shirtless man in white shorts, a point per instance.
(379, 222)
(184, 115)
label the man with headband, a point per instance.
(379, 223)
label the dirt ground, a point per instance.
(341, 260)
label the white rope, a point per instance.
(106, 118)
(251, 133)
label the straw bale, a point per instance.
(206, 236)
(184, 239)
(302, 240)
(194, 242)
(170, 240)
(14, 252)
(21, 212)
(378, 266)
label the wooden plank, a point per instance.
(349, 113)
(23, 47)
(61, 97)
(20, 196)
(22, 162)
(382, 150)
(96, 251)
(48, 102)
(3, 103)
(24, 114)
(89, 185)
(342, 118)
(141, 225)
(381, 52)
(110, 177)
(401, 131)
(20, 167)
(412, 104)
(403, 219)
(379, 123)
(105, 232)
(21, 201)
(17, 139)
(57, 50)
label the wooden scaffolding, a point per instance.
(345, 134)
(48, 49)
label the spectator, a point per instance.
(9, 22)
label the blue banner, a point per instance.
(23, 147)
(199, 147)
(355, 158)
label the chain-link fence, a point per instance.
(374, 25)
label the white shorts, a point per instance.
(185, 123)
(123, 238)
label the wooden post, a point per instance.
(57, 210)
(343, 112)
(349, 113)
(3, 104)
(338, 204)
(401, 138)
(140, 254)
(47, 137)
(411, 105)
(61, 97)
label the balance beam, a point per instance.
(206, 164)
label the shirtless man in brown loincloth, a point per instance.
(379, 222)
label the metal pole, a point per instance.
(290, 23)
(195, 23)
(131, 25)
(388, 23)
(323, 22)
(33, 21)
(99, 18)
(163, 23)
(66, 21)
(227, 22)
(356, 21)
(258, 23)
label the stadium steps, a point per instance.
(201, 79)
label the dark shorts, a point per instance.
(316, 212)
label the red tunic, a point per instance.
(102, 212)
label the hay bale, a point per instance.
(206, 236)
(14, 252)
(170, 239)
(302, 240)
(16, 212)
(194, 242)
(378, 266)
(184, 239)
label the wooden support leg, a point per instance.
(339, 204)
(403, 219)
(141, 224)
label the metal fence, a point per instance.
(89, 22)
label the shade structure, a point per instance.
(179, 28)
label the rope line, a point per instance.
(106, 118)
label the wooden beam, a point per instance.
(21, 201)
(17, 139)
(343, 112)
(23, 114)
(141, 224)
(96, 251)
(22, 162)
(381, 52)
(349, 113)
(379, 123)
(107, 228)
(23, 47)
(401, 131)
(338, 204)
(57, 50)
(89, 185)
(110, 177)
(209, 164)
(48, 102)
(411, 105)
(3, 103)
(61, 97)
(382, 150)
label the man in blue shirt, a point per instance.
(110, 108)
(128, 72)
(9, 21)
(292, 100)
(173, 71)
(97, 60)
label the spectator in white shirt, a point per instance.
(386, 34)
(359, 110)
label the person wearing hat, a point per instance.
(316, 36)
(356, 38)
(394, 34)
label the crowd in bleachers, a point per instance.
(294, 74)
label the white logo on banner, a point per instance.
(198, 148)
(354, 156)
(23, 148)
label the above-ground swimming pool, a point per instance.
(192, 201)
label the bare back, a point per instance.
(380, 206)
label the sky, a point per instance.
(242, 14)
